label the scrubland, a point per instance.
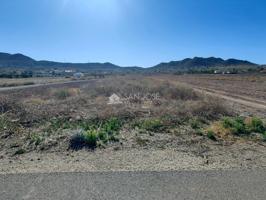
(78, 121)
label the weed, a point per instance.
(91, 138)
(62, 94)
(153, 125)
(35, 139)
(211, 135)
(195, 124)
(103, 136)
(199, 132)
(112, 126)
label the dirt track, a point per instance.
(244, 103)
(254, 103)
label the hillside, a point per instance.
(198, 63)
(194, 65)
(22, 61)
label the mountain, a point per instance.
(186, 65)
(22, 61)
(16, 60)
(201, 63)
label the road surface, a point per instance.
(198, 185)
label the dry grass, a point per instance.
(11, 82)
(71, 108)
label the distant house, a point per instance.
(78, 75)
(68, 71)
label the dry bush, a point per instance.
(62, 94)
(211, 108)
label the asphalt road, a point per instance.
(242, 185)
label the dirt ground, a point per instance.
(252, 85)
(245, 93)
(179, 147)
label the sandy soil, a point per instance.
(239, 155)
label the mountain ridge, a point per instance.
(19, 60)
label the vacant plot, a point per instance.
(13, 82)
(248, 85)
(123, 114)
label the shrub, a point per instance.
(35, 139)
(210, 109)
(236, 125)
(91, 138)
(112, 126)
(255, 124)
(240, 125)
(62, 94)
(195, 124)
(77, 142)
(153, 125)
(103, 136)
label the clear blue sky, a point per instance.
(133, 32)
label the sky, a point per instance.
(133, 32)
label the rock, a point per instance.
(78, 118)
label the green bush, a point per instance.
(96, 132)
(256, 125)
(91, 138)
(35, 139)
(111, 126)
(240, 125)
(153, 125)
(103, 136)
(236, 125)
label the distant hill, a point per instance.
(198, 63)
(22, 61)
(15, 60)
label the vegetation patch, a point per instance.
(98, 133)
(237, 126)
(16, 84)
(153, 125)
(63, 94)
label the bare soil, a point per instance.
(178, 147)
